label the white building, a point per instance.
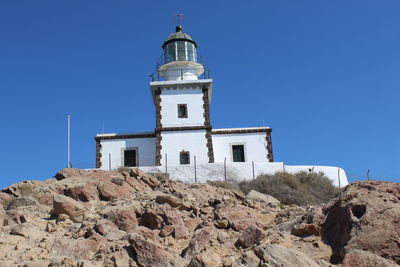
(181, 90)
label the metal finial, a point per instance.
(178, 28)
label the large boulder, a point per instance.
(71, 172)
(68, 206)
(264, 198)
(199, 241)
(22, 202)
(361, 258)
(238, 217)
(366, 216)
(250, 236)
(83, 192)
(278, 256)
(149, 254)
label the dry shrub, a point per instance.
(226, 185)
(302, 188)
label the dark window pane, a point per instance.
(238, 153)
(170, 53)
(190, 51)
(181, 50)
(184, 157)
(130, 158)
(182, 111)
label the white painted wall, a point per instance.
(192, 97)
(174, 142)
(146, 151)
(239, 171)
(255, 146)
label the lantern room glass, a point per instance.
(179, 51)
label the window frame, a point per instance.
(136, 156)
(244, 151)
(186, 115)
(181, 154)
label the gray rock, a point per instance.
(277, 256)
(260, 197)
(22, 202)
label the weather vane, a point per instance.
(179, 18)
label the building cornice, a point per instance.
(241, 130)
(124, 136)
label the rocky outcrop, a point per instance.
(130, 218)
(366, 216)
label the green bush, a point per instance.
(302, 188)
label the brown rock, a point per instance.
(5, 199)
(2, 215)
(77, 249)
(120, 259)
(180, 231)
(205, 259)
(167, 231)
(110, 191)
(250, 236)
(145, 178)
(68, 206)
(361, 258)
(125, 219)
(200, 241)
(84, 193)
(239, 217)
(151, 220)
(365, 217)
(305, 229)
(70, 172)
(109, 230)
(248, 259)
(149, 254)
(173, 201)
(192, 223)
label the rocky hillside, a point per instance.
(100, 218)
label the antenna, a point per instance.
(69, 142)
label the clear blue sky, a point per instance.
(325, 75)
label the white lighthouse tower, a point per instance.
(182, 95)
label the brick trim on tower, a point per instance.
(98, 154)
(207, 124)
(157, 102)
(269, 147)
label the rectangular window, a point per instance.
(184, 157)
(130, 159)
(181, 50)
(182, 111)
(238, 153)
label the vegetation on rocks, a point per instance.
(302, 188)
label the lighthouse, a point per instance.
(182, 96)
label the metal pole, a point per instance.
(252, 163)
(225, 169)
(283, 167)
(368, 174)
(109, 162)
(182, 74)
(166, 163)
(195, 171)
(338, 173)
(69, 142)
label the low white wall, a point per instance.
(146, 151)
(239, 171)
(254, 143)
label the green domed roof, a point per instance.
(179, 35)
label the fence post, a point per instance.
(195, 172)
(252, 163)
(338, 173)
(166, 163)
(284, 167)
(225, 170)
(109, 162)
